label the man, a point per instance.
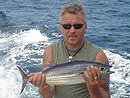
(74, 47)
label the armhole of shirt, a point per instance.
(47, 57)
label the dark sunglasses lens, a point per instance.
(66, 26)
(78, 26)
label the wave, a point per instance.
(18, 50)
(120, 80)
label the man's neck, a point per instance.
(74, 47)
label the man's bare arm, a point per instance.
(47, 91)
(47, 57)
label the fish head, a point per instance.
(105, 69)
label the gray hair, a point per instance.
(73, 8)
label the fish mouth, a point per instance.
(110, 66)
(109, 72)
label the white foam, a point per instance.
(14, 46)
(120, 66)
(119, 80)
(9, 83)
(32, 36)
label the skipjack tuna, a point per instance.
(68, 73)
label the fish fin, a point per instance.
(24, 79)
(81, 73)
(84, 72)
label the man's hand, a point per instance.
(94, 79)
(37, 79)
(95, 83)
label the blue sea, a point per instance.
(28, 26)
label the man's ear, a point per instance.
(85, 27)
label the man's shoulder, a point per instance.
(92, 45)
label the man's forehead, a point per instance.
(70, 16)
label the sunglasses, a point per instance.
(68, 26)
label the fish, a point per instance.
(68, 73)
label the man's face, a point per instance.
(73, 36)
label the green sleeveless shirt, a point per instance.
(59, 54)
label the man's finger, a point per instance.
(90, 74)
(95, 76)
(35, 77)
(85, 78)
(39, 79)
(43, 81)
(30, 79)
(98, 73)
(31, 74)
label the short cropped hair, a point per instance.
(73, 8)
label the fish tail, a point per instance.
(24, 79)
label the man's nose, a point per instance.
(72, 29)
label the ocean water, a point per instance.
(28, 26)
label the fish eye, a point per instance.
(102, 68)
